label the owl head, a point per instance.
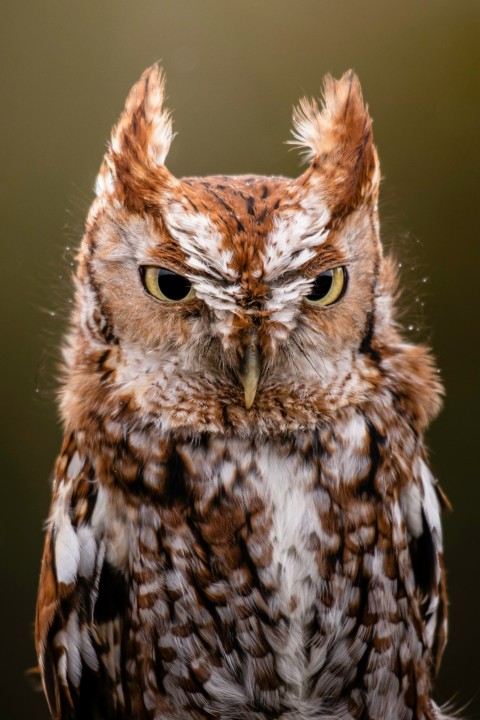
(230, 303)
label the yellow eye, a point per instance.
(166, 285)
(328, 287)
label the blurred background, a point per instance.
(234, 70)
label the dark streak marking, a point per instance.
(367, 338)
(422, 551)
(262, 216)
(176, 491)
(112, 598)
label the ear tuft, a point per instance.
(133, 170)
(337, 138)
(318, 131)
(144, 122)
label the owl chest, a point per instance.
(247, 575)
(248, 517)
(273, 516)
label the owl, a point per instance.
(244, 525)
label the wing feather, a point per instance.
(422, 502)
(73, 634)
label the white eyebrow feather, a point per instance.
(202, 243)
(200, 240)
(292, 241)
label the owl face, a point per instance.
(251, 297)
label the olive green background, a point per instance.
(234, 70)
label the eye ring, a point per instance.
(166, 285)
(328, 287)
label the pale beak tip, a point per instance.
(249, 398)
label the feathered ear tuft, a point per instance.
(337, 139)
(144, 122)
(133, 167)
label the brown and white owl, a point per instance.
(244, 525)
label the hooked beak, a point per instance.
(251, 373)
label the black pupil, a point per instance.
(321, 286)
(173, 286)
